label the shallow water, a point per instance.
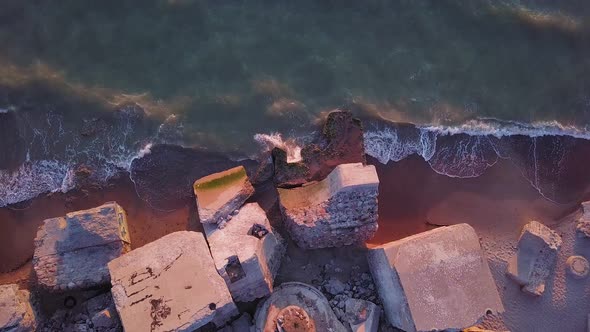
(85, 82)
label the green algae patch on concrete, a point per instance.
(218, 195)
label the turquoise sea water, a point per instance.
(215, 73)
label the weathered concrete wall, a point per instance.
(72, 252)
(170, 284)
(435, 280)
(247, 253)
(220, 194)
(339, 210)
(16, 313)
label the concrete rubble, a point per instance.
(339, 210)
(435, 280)
(363, 316)
(295, 306)
(247, 253)
(535, 257)
(16, 312)
(219, 195)
(583, 224)
(170, 284)
(72, 252)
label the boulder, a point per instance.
(434, 280)
(72, 252)
(363, 316)
(220, 194)
(340, 142)
(16, 313)
(339, 210)
(247, 253)
(295, 306)
(170, 285)
(535, 257)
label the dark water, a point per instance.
(96, 82)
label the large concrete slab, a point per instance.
(16, 313)
(247, 253)
(72, 252)
(170, 284)
(535, 257)
(435, 280)
(339, 210)
(220, 194)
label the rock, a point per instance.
(363, 316)
(535, 257)
(244, 323)
(105, 319)
(219, 194)
(434, 280)
(339, 210)
(583, 224)
(16, 313)
(170, 285)
(577, 267)
(72, 252)
(341, 142)
(295, 306)
(247, 253)
(334, 286)
(98, 303)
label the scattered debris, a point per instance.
(363, 316)
(72, 252)
(246, 252)
(16, 312)
(296, 305)
(339, 210)
(583, 224)
(170, 285)
(220, 194)
(535, 257)
(435, 280)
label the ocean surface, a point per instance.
(460, 83)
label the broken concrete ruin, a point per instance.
(535, 257)
(435, 280)
(339, 210)
(170, 284)
(16, 313)
(219, 195)
(583, 224)
(247, 253)
(363, 316)
(341, 142)
(72, 252)
(294, 306)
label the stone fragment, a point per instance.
(341, 142)
(534, 258)
(295, 306)
(105, 319)
(577, 267)
(583, 224)
(170, 285)
(219, 194)
(334, 286)
(339, 210)
(72, 252)
(246, 252)
(16, 313)
(363, 316)
(434, 280)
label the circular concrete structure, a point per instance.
(296, 307)
(578, 267)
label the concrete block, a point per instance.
(72, 252)
(170, 285)
(435, 280)
(294, 306)
(339, 210)
(363, 316)
(246, 252)
(16, 313)
(220, 194)
(535, 257)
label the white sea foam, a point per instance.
(270, 141)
